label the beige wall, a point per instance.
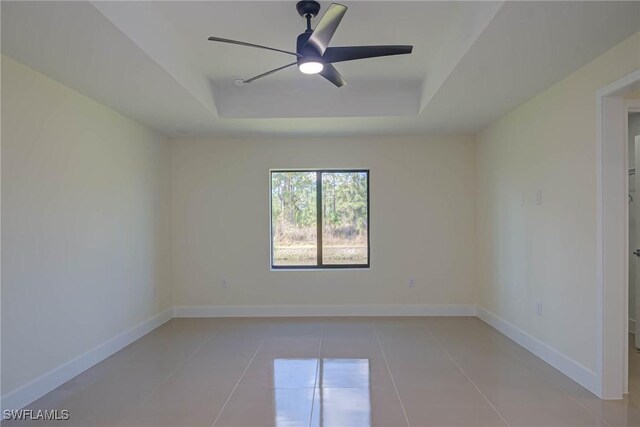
(85, 224)
(422, 222)
(529, 253)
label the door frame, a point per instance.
(631, 106)
(612, 229)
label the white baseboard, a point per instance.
(574, 370)
(49, 381)
(44, 384)
(323, 310)
(632, 326)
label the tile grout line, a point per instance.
(242, 376)
(424, 327)
(384, 356)
(315, 384)
(164, 381)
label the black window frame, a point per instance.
(319, 265)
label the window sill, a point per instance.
(320, 268)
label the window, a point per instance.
(319, 219)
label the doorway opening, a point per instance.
(613, 103)
(633, 137)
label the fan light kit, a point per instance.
(311, 66)
(313, 54)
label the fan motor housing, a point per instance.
(301, 49)
(306, 51)
(307, 9)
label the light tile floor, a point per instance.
(316, 372)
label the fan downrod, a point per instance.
(308, 8)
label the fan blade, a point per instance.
(330, 73)
(328, 25)
(349, 53)
(259, 76)
(218, 39)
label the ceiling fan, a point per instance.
(314, 56)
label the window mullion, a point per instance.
(319, 216)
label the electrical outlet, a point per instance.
(412, 282)
(224, 284)
(539, 198)
(539, 308)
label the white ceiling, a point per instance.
(472, 61)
